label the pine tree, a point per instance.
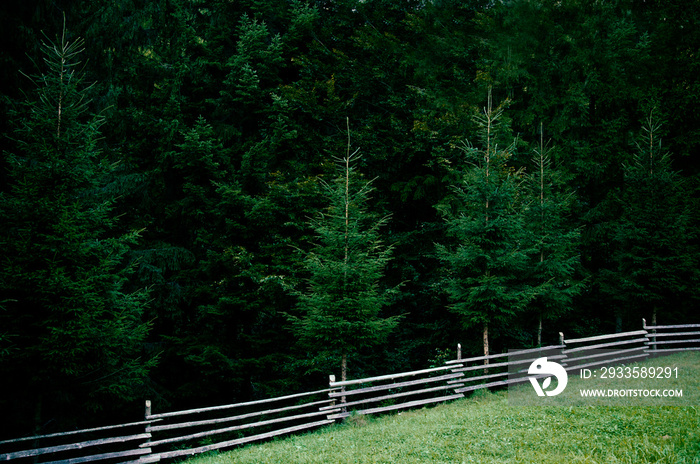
(653, 255)
(554, 258)
(487, 263)
(69, 312)
(341, 308)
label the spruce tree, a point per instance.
(68, 309)
(654, 258)
(554, 255)
(341, 307)
(486, 264)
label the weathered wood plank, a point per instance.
(500, 355)
(388, 397)
(530, 359)
(483, 377)
(678, 326)
(208, 433)
(387, 377)
(236, 405)
(605, 337)
(606, 345)
(394, 407)
(240, 441)
(490, 384)
(476, 358)
(673, 334)
(667, 350)
(611, 362)
(503, 364)
(76, 432)
(481, 367)
(222, 420)
(480, 386)
(101, 457)
(147, 459)
(671, 342)
(585, 357)
(72, 446)
(394, 385)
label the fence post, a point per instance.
(653, 332)
(331, 380)
(147, 416)
(459, 351)
(561, 342)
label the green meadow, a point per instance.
(488, 428)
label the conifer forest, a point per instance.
(211, 201)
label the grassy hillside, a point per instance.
(487, 428)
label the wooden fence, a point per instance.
(429, 386)
(170, 435)
(198, 431)
(607, 350)
(179, 433)
(482, 372)
(115, 443)
(668, 338)
(460, 376)
(394, 391)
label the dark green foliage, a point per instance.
(73, 323)
(216, 121)
(576, 68)
(654, 257)
(487, 264)
(555, 265)
(341, 309)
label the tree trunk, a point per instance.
(539, 330)
(344, 368)
(653, 324)
(486, 346)
(343, 375)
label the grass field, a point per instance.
(487, 428)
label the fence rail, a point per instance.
(609, 349)
(236, 424)
(81, 446)
(482, 373)
(683, 338)
(174, 434)
(395, 394)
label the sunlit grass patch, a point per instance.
(487, 428)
